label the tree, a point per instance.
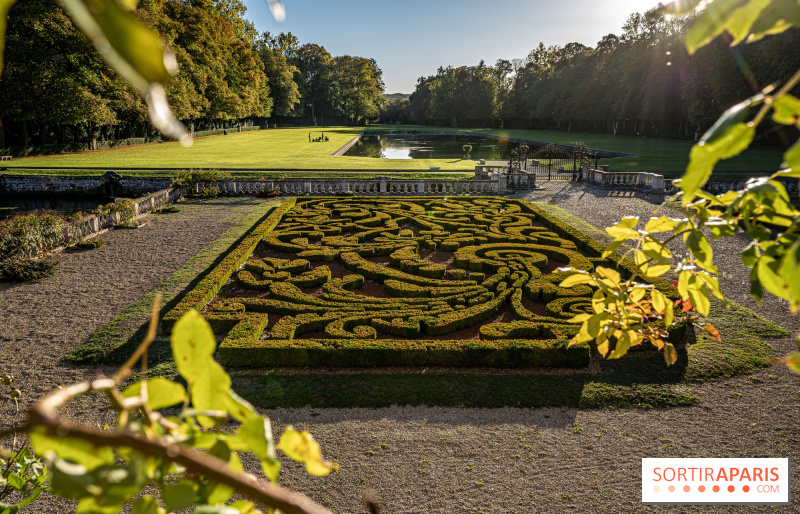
(281, 75)
(360, 87)
(625, 313)
(318, 80)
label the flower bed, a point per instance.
(411, 281)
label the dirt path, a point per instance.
(421, 459)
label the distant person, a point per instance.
(309, 137)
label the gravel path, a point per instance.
(421, 459)
(42, 321)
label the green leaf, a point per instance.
(211, 392)
(244, 506)
(777, 16)
(698, 295)
(713, 284)
(257, 433)
(193, 346)
(789, 270)
(301, 447)
(726, 142)
(659, 300)
(98, 505)
(735, 17)
(16, 482)
(697, 243)
(786, 110)
(127, 44)
(770, 277)
(5, 5)
(669, 314)
(576, 279)
(622, 346)
(161, 393)
(146, 505)
(72, 480)
(74, 450)
(756, 291)
(624, 229)
(216, 509)
(791, 159)
(662, 224)
(179, 496)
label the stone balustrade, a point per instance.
(94, 223)
(624, 180)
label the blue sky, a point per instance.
(412, 38)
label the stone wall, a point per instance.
(30, 184)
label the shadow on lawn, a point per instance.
(640, 380)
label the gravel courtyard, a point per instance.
(421, 459)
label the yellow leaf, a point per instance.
(659, 300)
(712, 331)
(670, 354)
(668, 314)
(662, 224)
(574, 280)
(610, 274)
(301, 447)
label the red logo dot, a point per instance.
(731, 488)
(702, 488)
(716, 488)
(686, 489)
(746, 488)
(672, 488)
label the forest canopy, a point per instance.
(641, 82)
(56, 89)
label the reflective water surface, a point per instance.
(410, 146)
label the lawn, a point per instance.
(286, 149)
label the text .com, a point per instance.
(715, 481)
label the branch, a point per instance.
(213, 468)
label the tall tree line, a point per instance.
(641, 82)
(55, 88)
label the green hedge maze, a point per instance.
(402, 282)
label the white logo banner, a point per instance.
(715, 481)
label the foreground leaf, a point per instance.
(706, 154)
(161, 393)
(301, 447)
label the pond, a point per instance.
(410, 146)
(9, 206)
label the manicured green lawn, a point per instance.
(289, 149)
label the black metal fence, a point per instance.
(555, 162)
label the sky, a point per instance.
(413, 38)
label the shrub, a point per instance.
(26, 233)
(90, 244)
(188, 178)
(22, 269)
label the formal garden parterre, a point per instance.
(402, 282)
